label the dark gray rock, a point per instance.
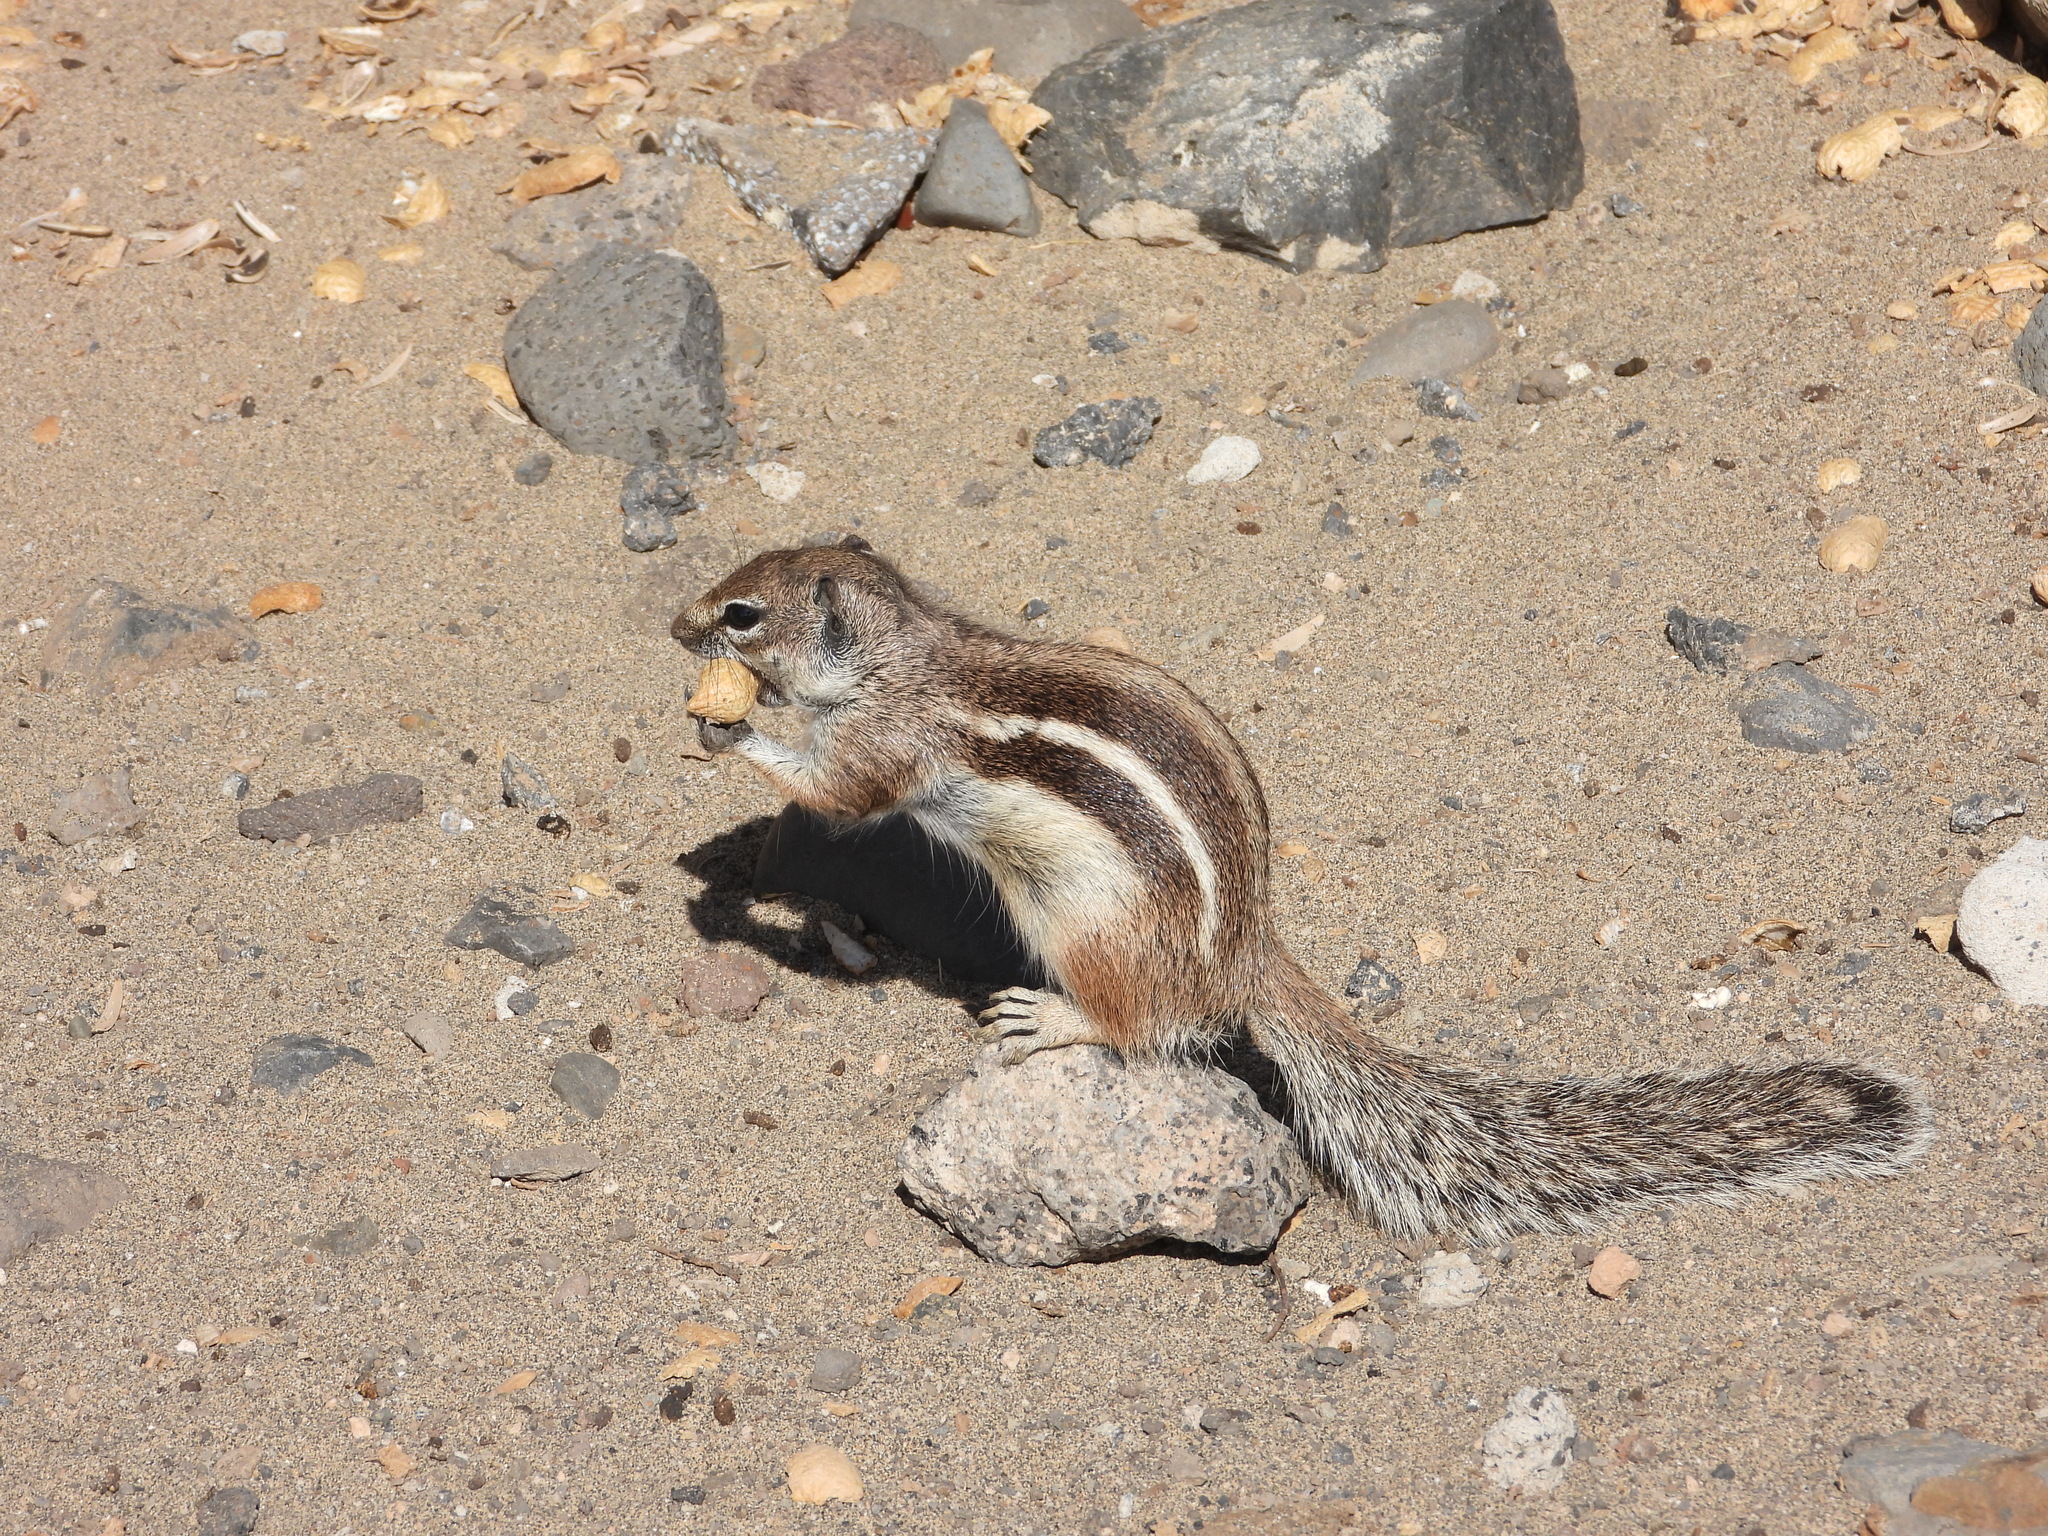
(905, 886)
(1326, 134)
(1888, 1470)
(549, 1164)
(643, 207)
(1434, 342)
(1030, 37)
(323, 814)
(534, 469)
(351, 1239)
(523, 786)
(876, 61)
(1788, 709)
(2030, 352)
(1111, 432)
(1973, 813)
(1075, 1155)
(1724, 646)
(113, 635)
(651, 499)
(974, 182)
(833, 189)
(101, 806)
(585, 1082)
(499, 923)
(229, 1512)
(1373, 984)
(41, 1199)
(1435, 397)
(289, 1062)
(834, 1370)
(621, 352)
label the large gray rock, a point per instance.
(834, 189)
(974, 181)
(229, 1512)
(499, 921)
(1925, 1483)
(876, 62)
(2002, 920)
(1318, 134)
(621, 352)
(287, 1063)
(642, 208)
(324, 814)
(1031, 37)
(41, 1199)
(1439, 341)
(2030, 352)
(584, 1081)
(1075, 1155)
(1724, 646)
(1788, 709)
(113, 636)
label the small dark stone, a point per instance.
(1435, 397)
(534, 469)
(554, 825)
(601, 1037)
(288, 1062)
(691, 1494)
(1724, 1472)
(496, 923)
(723, 1410)
(1974, 813)
(1873, 772)
(652, 497)
(1037, 608)
(229, 1512)
(1372, 981)
(1225, 1421)
(1535, 1008)
(325, 814)
(674, 1400)
(977, 493)
(1789, 709)
(413, 1244)
(347, 1241)
(834, 1370)
(1111, 433)
(585, 1082)
(974, 182)
(1337, 521)
(1631, 367)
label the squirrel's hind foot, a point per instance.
(1028, 1021)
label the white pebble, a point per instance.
(1224, 460)
(2003, 921)
(1530, 1445)
(778, 482)
(1450, 1280)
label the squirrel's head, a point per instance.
(806, 622)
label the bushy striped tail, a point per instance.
(1424, 1149)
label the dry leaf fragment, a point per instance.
(1308, 1332)
(494, 378)
(1430, 945)
(518, 1382)
(1296, 639)
(1970, 309)
(818, 1474)
(1836, 473)
(686, 1366)
(353, 42)
(578, 168)
(2018, 416)
(1777, 934)
(390, 370)
(1830, 45)
(407, 255)
(452, 130)
(2024, 112)
(1854, 154)
(420, 202)
(2040, 585)
(1016, 121)
(1972, 19)
(1704, 10)
(1853, 545)
(705, 1336)
(15, 99)
(1290, 848)
(1939, 929)
(1612, 1270)
(929, 1286)
(286, 597)
(46, 432)
(340, 280)
(490, 1119)
(178, 243)
(726, 691)
(396, 1464)
(976, 262)
(2004, 277)
(206, 63)
(872, 277)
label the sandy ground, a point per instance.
(1488, 739)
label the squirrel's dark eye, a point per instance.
(740, 615)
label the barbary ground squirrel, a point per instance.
(1124, 830)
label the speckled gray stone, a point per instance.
(229, 1512)
(1030, 37)
(1327, 134)
(834, 189)
(834, 1370)
(549, 1164)
(1973, 813)
(1787, 708)
(500, 924)
(1074, 1155)
(651, 498)
(1111, 432)
(642, 208)
(1886, 1470)
(288, 1062)
(524, 786)
(1724, 646)
(2030, 352)
(325, 814)
(974, 182)
(621, 352)
(585, 1082)
(42, 1198)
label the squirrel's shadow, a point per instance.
(950, 932)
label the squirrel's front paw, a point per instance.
(716, 738)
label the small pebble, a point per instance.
(834, 1370)
(534, 469)
(1224, 460)
(585, 1082)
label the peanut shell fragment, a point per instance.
(1854, 545)
(340, 280)
(725, 692)
(286, 597)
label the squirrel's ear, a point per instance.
(857, 544)
(825, 594)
